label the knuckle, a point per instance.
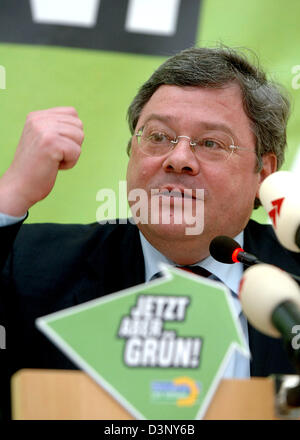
(76, 154)
(47, 138)
(74, 157)
(31, 116)
(73, 111)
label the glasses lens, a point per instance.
(155, 141)
(213, 145)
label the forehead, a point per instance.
(189, 108)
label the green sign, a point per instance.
(159, 348)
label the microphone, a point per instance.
(270, 299)
(226, 250)
(279, 195)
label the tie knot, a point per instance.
(196, 270)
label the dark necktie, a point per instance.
(194, 269)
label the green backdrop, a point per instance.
(101, 85)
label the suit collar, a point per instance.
(118, 261)
(114, 260)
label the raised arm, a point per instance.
(51, 140)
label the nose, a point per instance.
(181, 158)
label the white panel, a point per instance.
(296, 164)
(2, 77)
(81, 13)
(156, 17)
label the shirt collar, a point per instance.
(230, 274)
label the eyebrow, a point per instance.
(203, 124)
(156, 116)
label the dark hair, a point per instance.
(265, 102)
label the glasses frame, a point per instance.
(192, 143)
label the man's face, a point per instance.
(229, 185)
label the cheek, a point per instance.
(136, 175)
(232, 187)
(140, 171)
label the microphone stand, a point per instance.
(287, 396)
(287, 387)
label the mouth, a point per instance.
(180, 192)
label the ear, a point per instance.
(269, 161)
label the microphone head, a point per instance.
(262, 288)
(279, 195)
(221, 249)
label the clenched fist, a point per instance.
(51, 141)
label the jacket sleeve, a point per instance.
(7, 238)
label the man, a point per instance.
(206, 120)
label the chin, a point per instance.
(169, 231)
(173, 222)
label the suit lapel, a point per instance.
(114, 261)
(258, 343)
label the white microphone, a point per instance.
(279, 193)
(265, 290)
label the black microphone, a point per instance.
(270, 299)
(297, 237)
(226, 250)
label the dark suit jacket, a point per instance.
(49, 267)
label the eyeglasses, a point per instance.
(214, 145)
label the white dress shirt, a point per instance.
(6, 220)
